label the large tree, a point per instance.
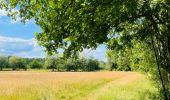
(77, 24)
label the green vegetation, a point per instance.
(3, 62)
(136, 32)
(16, 63)
(52, 63)
(138, 90)
(35, 64)
(55, 63)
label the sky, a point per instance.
(18, 39)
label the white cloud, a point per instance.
(20, 47)
(29, 48)
(14, 39)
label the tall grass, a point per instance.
(74, 86)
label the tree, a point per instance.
(17, 63)
(21, 64)
(13, 62)
(112, 56)
(70, 65)
(78, 24)
(136, 58)
(92, 64)
(35, 64)
(51, 62)
(3, 62)
(81, 64)
(119, 60)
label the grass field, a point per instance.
(74, 86)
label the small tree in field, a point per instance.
(35, 65)
(3, 62)
(51, 63)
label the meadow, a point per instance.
(34, 85)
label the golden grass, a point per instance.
(29, 85)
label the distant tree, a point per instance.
(3, 62)
(51, 62)
(92, 64)
(17, 63)
(81, 64)
(21, 64)
(111, 60)
(70, 65)
(118, 60)
(13, 62)
(35, 65)
(102, 65)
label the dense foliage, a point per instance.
(136, 58)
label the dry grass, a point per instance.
(70, 85)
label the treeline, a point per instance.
(18, 63)
(53, 63)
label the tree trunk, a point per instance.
(159, 71)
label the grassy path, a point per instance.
(129, 87)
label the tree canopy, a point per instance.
(77, 24)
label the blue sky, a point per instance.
(18, 39)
